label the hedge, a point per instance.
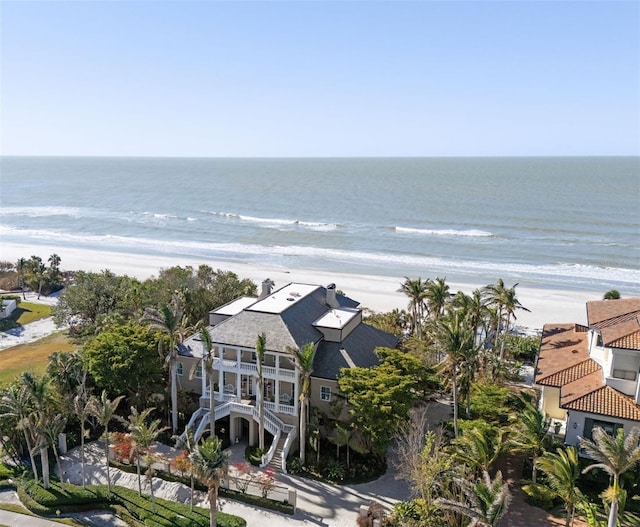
(124, 502)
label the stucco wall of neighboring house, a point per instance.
(550, 403)
(576, 425)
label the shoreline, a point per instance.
(374, 292)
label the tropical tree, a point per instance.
(143, 435)
(211, 465)
(437, 296)
(188, 445)
(613, 294)
(49, 425)
(260, 350)
(529, 433)
(504, 299)
(486, 500)
(207, 363)
(21, 267)
(478, 448)
(15, 404)
(615, 455)
(304, 362)
(82, 404)
(416, 290)
(36, 270)
(104, 410)
(171, 321)
(455, 338)
(562, 470)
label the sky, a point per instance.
(318, 78)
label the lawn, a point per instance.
(25, 313)
(31, 357)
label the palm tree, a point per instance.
(486, 501)
(15, 404)
(529, 433)
(50, 425)
(614, 294)
(416, 290)
(41, 398)
(510, 304)
(171, 321)
(21, 266)
(260, 349)
(104, 410)
(304, 362)
(562, 471)
(207, 360)
(37, 269)
(454, 337)
(211, 465)
(81, 407)
(615, 455)
(437, 296)
(143, 435)
(187, 443)
(478, 448)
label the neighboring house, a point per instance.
(8, 307)
(589, 375)
(290, 317)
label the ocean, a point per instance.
(570, 223)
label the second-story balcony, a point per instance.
(251, 368)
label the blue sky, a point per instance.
(312, 78)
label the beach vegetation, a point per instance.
(124, 360)
(211, 465)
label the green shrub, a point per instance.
(253, 455)
(538, 495)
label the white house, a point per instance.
(290, 318)
(588, 376)
(8, 307)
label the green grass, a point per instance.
(25, 313)
(31, 357)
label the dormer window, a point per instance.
(599, 340)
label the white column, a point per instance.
(238, 374)
(204, 378)
(220, 373)
(277, 390)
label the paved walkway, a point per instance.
(14, 519)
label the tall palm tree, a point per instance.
(187, 443)
(437, 296)
(104, 410)
(16, 404)
(81, 407)
(171, 321)
(455, 338)
(304, 361)
(207, 367)
(21, 266)
(41, 397)
(416, 290)
(211, 465)
(615, 455)
(495, 294)
(50, 424)
(486, 500)
(562, 471)
(510, 304)
(260, 350)
(529, 433)
(143, 435)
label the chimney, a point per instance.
(267, 286)
(331, 296)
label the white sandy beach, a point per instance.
(377, 293)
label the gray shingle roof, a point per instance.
(359, 346)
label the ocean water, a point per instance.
(543, 222)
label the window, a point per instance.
(179, 368)
(609, 427)
(628, 375)
(198, 374)
(325, 393)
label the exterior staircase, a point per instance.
(276, 461)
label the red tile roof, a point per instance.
(617, 320)
(564, 361)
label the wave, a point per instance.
(275, 222)
(44, 211)
(565, 273)
(163, 217)
(444, 232)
